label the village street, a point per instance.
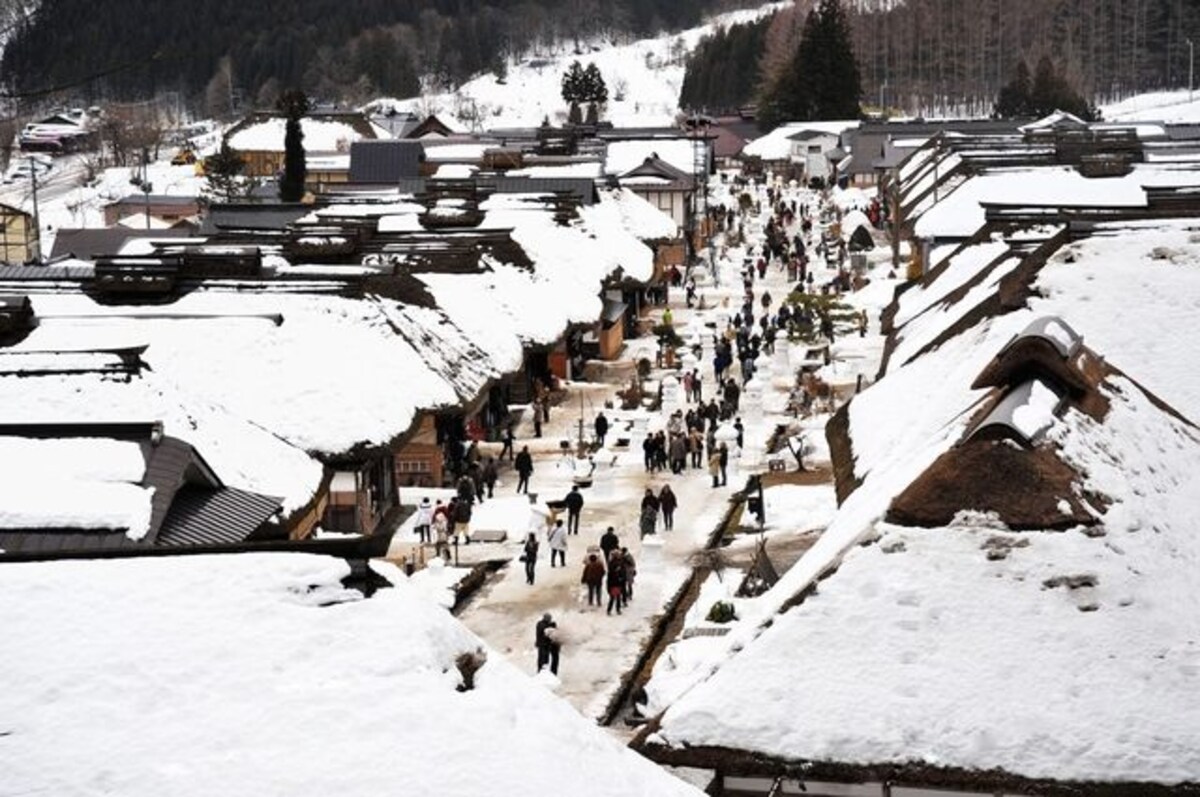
(598, 649)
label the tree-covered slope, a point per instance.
(335, 49)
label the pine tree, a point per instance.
(822, 81)
(574, 89)
(294, 105)
(223, 175)
(595, 92)
(1052, 92)
(1013, 101)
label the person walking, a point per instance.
(630, 574)
(537, 417)
(649, 516)
(529, 556)
(441, 535)
(593, 577)
(601, 427)
(524, 466)
(609, 542)
(615, 581)
(714, 467)
(558, 543)
(509, 438)
(678, 448)
(489, 475)
(546, 643)
(574, 502)
(723, 454)
(740, 428)
(424, 520)
(668, 501)
(696, 445)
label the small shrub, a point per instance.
(722, 612)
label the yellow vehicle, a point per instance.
(184, 157)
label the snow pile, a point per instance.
(183, 676)
(76, 483)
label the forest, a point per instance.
(224, 53)
(950, 57)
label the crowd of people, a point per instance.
(688, 442)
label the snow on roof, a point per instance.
(1088, 282)
(847, 199)
(960, 214)
(1056, 119)
(459, 151)
(852, 221)
(589, 169)
(918, 638)
(188, 676)
(455, 171)
(777, 145)
(640, 217)
(624, 156)
(320, 135)
(76, 483)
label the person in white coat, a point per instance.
(424, 519)
(558, 543)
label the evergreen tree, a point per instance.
(223, 175)
(595, 92)
(294, 105)
(1053, 92)
(1013, 101)
(574, 89)
(822, 81)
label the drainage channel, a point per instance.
(481, 575)
(667, 627)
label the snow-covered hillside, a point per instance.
(1159, 106)
(643, 78)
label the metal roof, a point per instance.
(86, 243)
(200, 516)
(385, 162)
(41, 273)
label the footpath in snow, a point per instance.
(598, 649)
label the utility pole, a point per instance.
(1191, 68)
(37, 224)
(146, 185)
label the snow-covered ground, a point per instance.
(1161, 106)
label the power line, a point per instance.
(157, 56)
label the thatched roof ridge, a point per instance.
(1028, 489)
(725, 761)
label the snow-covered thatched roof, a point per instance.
(262, 674)
(1054, 653)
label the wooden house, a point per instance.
(168, 210)
(186, 503)
(18, 236)
(258, 139)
